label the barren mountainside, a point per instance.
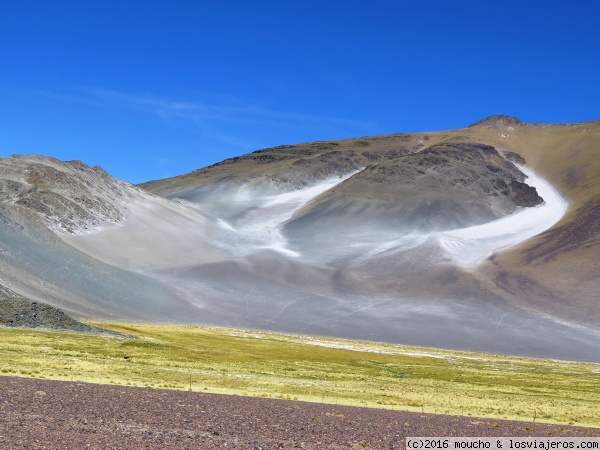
(484, 238)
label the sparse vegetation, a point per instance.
(274, 365)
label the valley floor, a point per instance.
(310, 369)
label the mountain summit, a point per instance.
(496, 122)
(483, 238)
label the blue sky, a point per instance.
(151, 89)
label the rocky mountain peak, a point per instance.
(69, 197)
(498, 121)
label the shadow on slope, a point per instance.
(39, 265)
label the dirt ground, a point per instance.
(45, 414)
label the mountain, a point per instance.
(483, 238)
(44, 200)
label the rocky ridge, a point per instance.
(444, 186)
(69, 197)
(294, 166)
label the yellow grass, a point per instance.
(312, 369)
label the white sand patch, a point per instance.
(259, 227)
(470, 246)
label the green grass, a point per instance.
(312, 369)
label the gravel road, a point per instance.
(45, 414)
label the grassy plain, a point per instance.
(313, 369)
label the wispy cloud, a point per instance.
(236, 122)
(206, 112)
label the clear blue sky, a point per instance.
(150, 89)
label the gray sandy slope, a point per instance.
(40, 266)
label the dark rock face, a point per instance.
(515, 157)
(524, 195)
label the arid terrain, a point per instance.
(39, 414)
(483, 239)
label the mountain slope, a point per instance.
(557, 271)
(370, 207)
(484, 238)
(43, 197)
(538, 273)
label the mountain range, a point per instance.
(484, 238)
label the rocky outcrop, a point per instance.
(515, 157)
(18, 311)
(524, 195)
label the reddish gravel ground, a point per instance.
(44, 414)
